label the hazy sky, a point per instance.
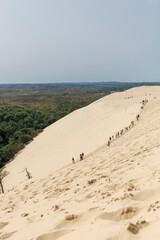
(79, 40)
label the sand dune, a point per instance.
(113, 194)
(83, 130)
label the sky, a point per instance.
(46, 41)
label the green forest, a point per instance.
(19, 125)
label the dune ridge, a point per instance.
(113, 194)
(83, 130)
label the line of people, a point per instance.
(119, 133)
(122, 131)
(144, 102)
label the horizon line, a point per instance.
(50, 83)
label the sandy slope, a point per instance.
(113, 189)
(83, 130)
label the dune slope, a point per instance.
(83, 130)
(113, 194)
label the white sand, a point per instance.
(113, 187)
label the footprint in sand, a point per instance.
(68, 221)
(53, 235)
(154, 207)
(134, 228)
(6, 235)
(3, 224)
(121, 214)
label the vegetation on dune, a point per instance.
(26, 109)
(19, 125)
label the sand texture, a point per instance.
(113, 194)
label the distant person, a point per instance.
(73, 161)
(82, 154)
(137, 117)
(108, 144)
(117, 134)
(126, 128)
(81, 157)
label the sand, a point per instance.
(113, 194)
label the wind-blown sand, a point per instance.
(113, 194)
